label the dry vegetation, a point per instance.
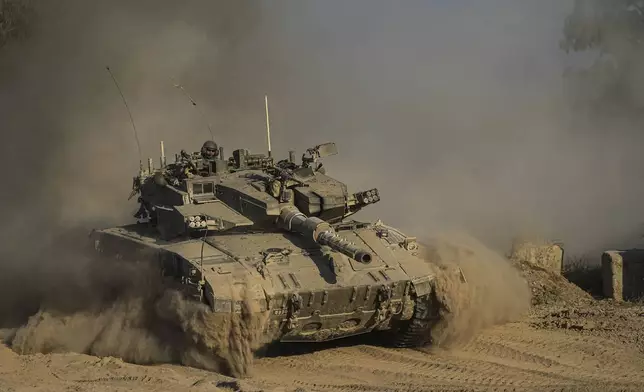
(15, 16)
(585, 274)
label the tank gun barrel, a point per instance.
(322, 233)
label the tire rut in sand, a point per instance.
(563, 354)
(514, 357)
(459, 370)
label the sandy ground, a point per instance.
(568, 342)
(596, 348)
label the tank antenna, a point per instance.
(192, 101)
(268, 126)
(128, 111)
(203, 242)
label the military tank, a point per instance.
(280, 231)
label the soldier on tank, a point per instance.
(209, 151)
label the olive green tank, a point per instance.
(282, 231)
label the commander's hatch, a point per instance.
(304, 174)
(326, 149)
(217, 215)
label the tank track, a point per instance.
(417, 331)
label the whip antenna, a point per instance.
(268, 126)
(203, 242)
(138, 145)
(192, 101)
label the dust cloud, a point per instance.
(120, 309)
(455, 110)
(476, 287)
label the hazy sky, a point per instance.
(453, 109)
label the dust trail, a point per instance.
(491, 293)
(229, 338)
(121, 309)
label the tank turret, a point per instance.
(246, 192)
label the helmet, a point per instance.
(209, 150)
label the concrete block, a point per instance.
(547, 255)
(623, 274)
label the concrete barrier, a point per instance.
(547, 255)
(623, 274)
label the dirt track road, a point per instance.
(512, 357)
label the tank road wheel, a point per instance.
(416, 332)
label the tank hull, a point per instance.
(306, 292)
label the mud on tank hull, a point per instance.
(308, 293)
